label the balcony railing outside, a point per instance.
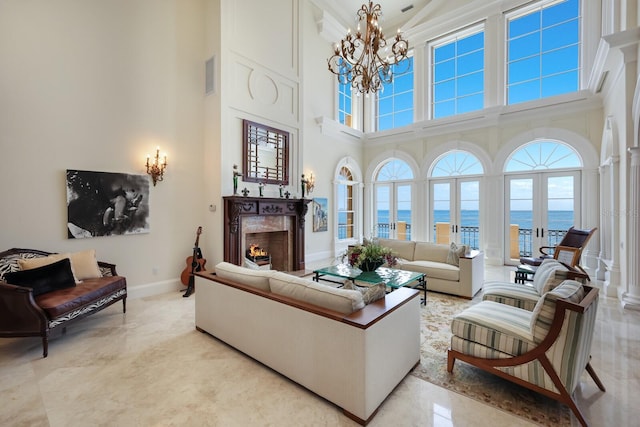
(403, 228)
(469, 235)
(525, 241)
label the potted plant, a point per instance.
(369, 257)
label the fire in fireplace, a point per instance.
(256, 254)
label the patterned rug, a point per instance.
(471, 381)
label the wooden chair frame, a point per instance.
(574, 238)
(538, 353)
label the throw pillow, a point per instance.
(85, 265)
(31, 263)
(455, 252)
(369, 293)
(47, 278)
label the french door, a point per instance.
(540, 208)
(455, 211)
(393, 212)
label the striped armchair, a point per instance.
(549, 275)
(545, 349)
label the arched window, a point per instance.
(394, 170)
(542, 197)
(392, 200)
(455, 198)
(541, 155)
(457, 163)
(345, 187)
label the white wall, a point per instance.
(96, 86)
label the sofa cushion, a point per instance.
(497, 326)
(370, 293)
(255, 278)
(47, 278)
(427, 251)
(81, 299)
(401, 248)
(341, 300)
(435, 270)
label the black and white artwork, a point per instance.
(106, 204)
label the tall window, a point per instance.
(457, 83)
(543, 50)
(346, 208)
(345, 101)
(395, 102)
(455, 199)
(345, 114)
(392, 200)
(542, 196)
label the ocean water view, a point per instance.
(558, 223)
(557, 220)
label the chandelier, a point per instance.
(364, 61)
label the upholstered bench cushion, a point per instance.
(91, 293)
(501, 327)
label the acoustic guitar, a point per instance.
(195, 263)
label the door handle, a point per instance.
(542, 231)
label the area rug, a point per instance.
(471, 381)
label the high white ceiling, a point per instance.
(415, 11)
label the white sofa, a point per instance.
(323, 338)
(464, 279)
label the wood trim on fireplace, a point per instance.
(238, 207)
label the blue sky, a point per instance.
(543, 59)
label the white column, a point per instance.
(631, 298)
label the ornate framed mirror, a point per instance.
(265, 153)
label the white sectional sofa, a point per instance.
(323, 338)
(439, 265)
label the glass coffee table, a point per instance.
(392, 278)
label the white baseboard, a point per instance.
(155, 288)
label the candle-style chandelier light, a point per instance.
(364, 61)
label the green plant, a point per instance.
(371, 253)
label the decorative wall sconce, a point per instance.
(311, 183)
(308, 184)
(156, 169)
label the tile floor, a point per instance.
(150, 367)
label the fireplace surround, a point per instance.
(275, 222)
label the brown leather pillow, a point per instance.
(47, 278)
